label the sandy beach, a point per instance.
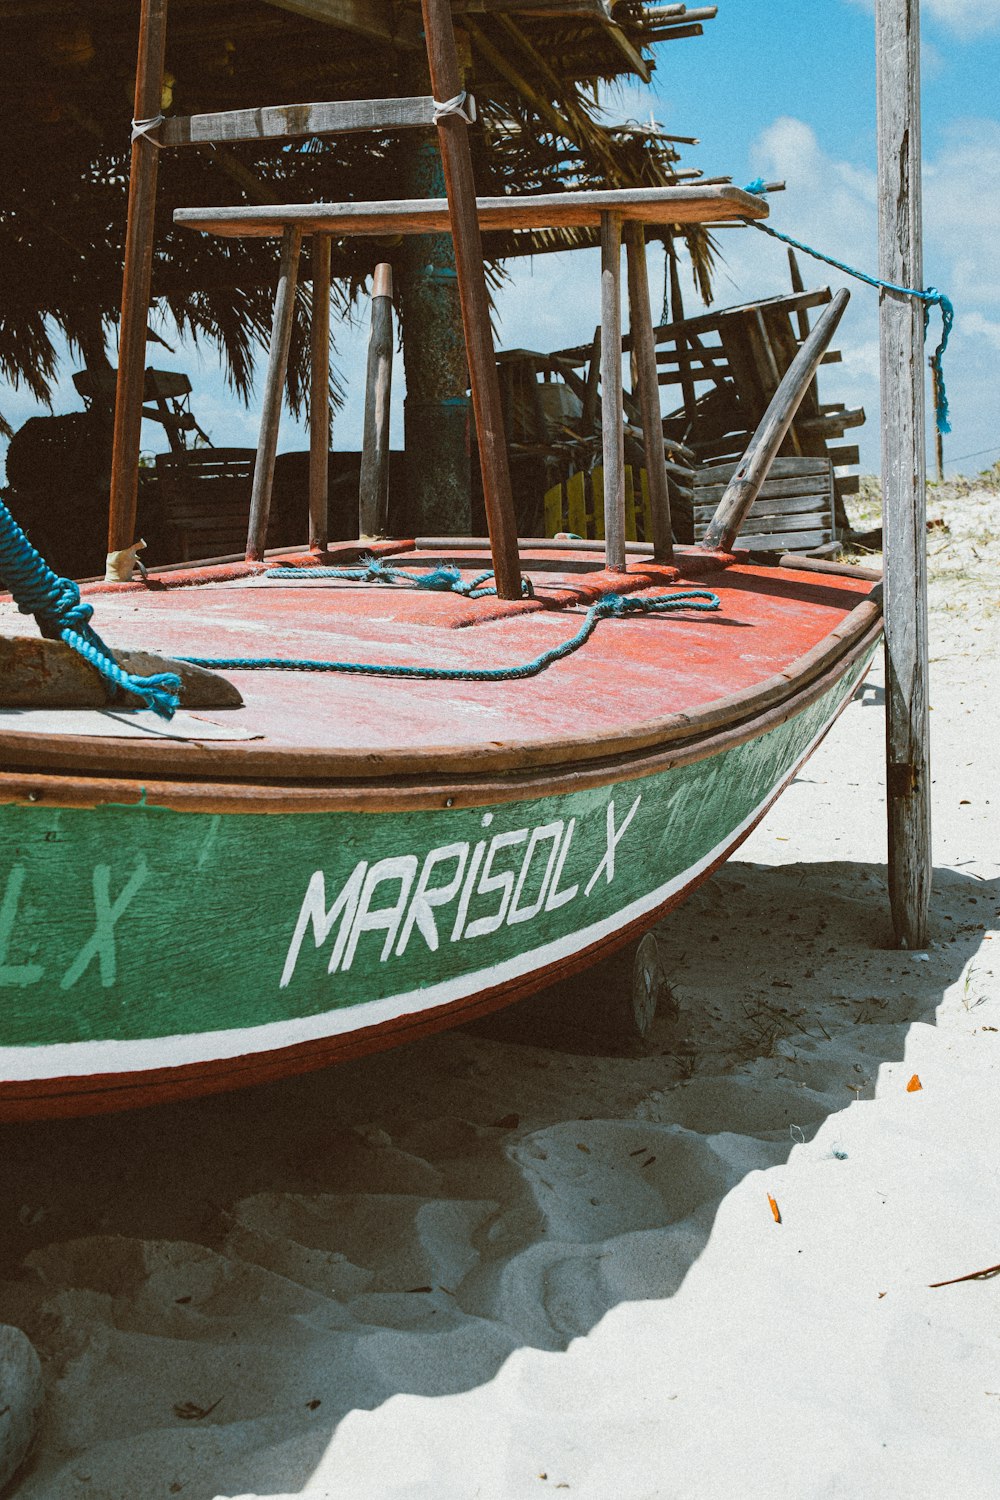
(504, 1262)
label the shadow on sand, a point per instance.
(223, 1281)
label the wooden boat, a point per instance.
(327, 862)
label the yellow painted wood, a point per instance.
(576, 504)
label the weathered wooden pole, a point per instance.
(274, 394)
(446, 84)
(612, 428)
(373, 503)
(904, 500)
(644, 355)
(319, 397)
(136, 283)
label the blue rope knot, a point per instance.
(62, 615)
(930, 296)
(372, 570)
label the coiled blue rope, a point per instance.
(61, 615)
(612, 606)
(930, 297)
(372, 570)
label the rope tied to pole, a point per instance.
(612, 606)
(463, 105)
(145, 128)
(930, 296)
(62, 615)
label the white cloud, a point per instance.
(974, 325)
(966, 18)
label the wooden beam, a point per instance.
(641, 327)
(374, 489)
(319, 397)
(379, 19)
(285, 122)
(904, 501)
(139, 236)
(752, 470)
(657, 205)
(274, 395)
(456, 158)
(632, 56)
(612, 430)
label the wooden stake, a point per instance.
(456, 158)
(374, 495)
(644, 356)
(938, 436)
(319, 397)
(136, 281)
(904, 504)
(274, 395)
(612, 427)
(683, 352)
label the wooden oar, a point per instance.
(38, 673)
(745, 485)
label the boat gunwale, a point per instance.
(388, 792)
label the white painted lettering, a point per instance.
(520, 913)
(614, 839)
(488, 883)
(426, 896)
(101, 944)
(403, 867)
(467, 889)
(14, 976)
(556, 897)
(314, 910)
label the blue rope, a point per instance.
(371, 570)
(931, 297)
(611, 606)
(61, 615)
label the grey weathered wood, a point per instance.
(319, 397)
(901, 328)
(39, 673)
(374, 488)
(641, 327)
(274, 395)
(659, 205)
(752, 470)
(285, 122)
(612, 430)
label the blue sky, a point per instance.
(784, 89)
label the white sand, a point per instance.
(231, 1298)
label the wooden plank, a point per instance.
(849, 484)
(811, 520)
(641, 324)
(274, 395)
(771, 507)
(576, 504)
(319, 397)
(384, 22)
(553, 504)
(843, 457)
(774, 492)
(612, 431)
(136, 280)
(462, 220)
(746, 483)
(782, 468)
(901, 330)
(374, 487)
(835, 424)
(659, 205)
(285, 122)
(780, 541)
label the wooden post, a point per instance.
(374, 494)
(752, 470)
(644, 356)
(446, 84)
(136, 283)
(681, 344)
(319, 397)
(904, 504)
(612, 426)
(938, 436)
(274, 394)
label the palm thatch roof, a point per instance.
(64, 140)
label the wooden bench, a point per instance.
(792, 513)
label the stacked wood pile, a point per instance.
(726, 365)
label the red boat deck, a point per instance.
(619, 691)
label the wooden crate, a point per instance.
(792, 513)
(576, 505)
(204, 499)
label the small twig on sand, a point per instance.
(986, 1275)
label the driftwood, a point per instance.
(38, 673)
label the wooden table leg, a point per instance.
(274, 394)
(319, 397)
(374, 489)
(644, 354)
(612, 427)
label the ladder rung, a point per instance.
(278, 122)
